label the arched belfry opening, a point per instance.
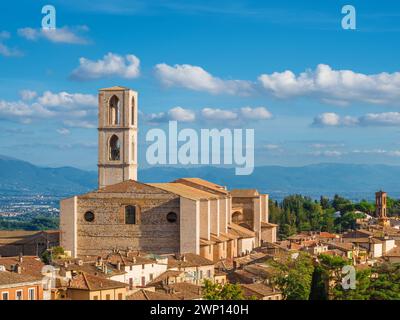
(115, 148)
(114, 110)
(118, 121)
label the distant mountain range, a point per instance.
(352, 180)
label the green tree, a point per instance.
(216, 291)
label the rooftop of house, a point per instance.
(12, 278)
(185, 191)
(151, 295)
(188, 260)
(89, 282)
(30, 265)
(240, 231)
(259, 290)
(128, 186)
(115, 88)
(129, 259)
(395, 252)
(22, 237)
(205, 184)
(184, 290)
(244, 193)
(165, 276)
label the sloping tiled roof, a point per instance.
(85, 281)
(114, 88)
(204, 183)
(258, 289)
(21, 237)
(165, 276)
(268, 225)
(185, 290)
(30, 265)
(240, 231)
(9, 278)
(151, 295)
(184, 190)
(188, 260)
(244, 193)
(130, 186)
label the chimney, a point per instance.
(20, 258)
(18, 269)
(119, 265)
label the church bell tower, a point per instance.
(117, 135)
(380, 204)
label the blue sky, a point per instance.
(312, 91)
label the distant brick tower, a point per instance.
(117, 135)
(380, 203)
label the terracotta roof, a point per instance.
(244, 193)
(165, 276)
(114, 88)
(30, 265)
(130, 186)
(268, 225)
(128, 260)
(85, 281)
(204, 183)
(185, 290)
(10, 278)
(258, 289)
(328, 235)
(220, 238)
(184, 191)
(151, 295)
(240, 231)
(205, 242)
(395, 252)
(21, 237)
(188, 260)
(91, 268)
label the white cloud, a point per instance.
(334, 86)
(72, 109)
(381, 119)
(370, 119)
(65, 99)
(9, 52)
(259, 113)
(198, 79)
(175, 114)
(218, 114)
(391, 153)
(112, 65)
(63, 131)
(59, 35)
(27, 95)
(328, 153)
(181, 114)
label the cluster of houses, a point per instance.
(120, 276)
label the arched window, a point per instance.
(114, 112)
(133, 111)
(130, 215)
(115, 148)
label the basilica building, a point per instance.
(188, 215)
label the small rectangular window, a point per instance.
(31, 293)
(18, 295)
(119, 296)
(95, 298)
(108, 297)
(4, 296)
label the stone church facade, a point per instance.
(188, 215)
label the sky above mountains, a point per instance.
(312, 91)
